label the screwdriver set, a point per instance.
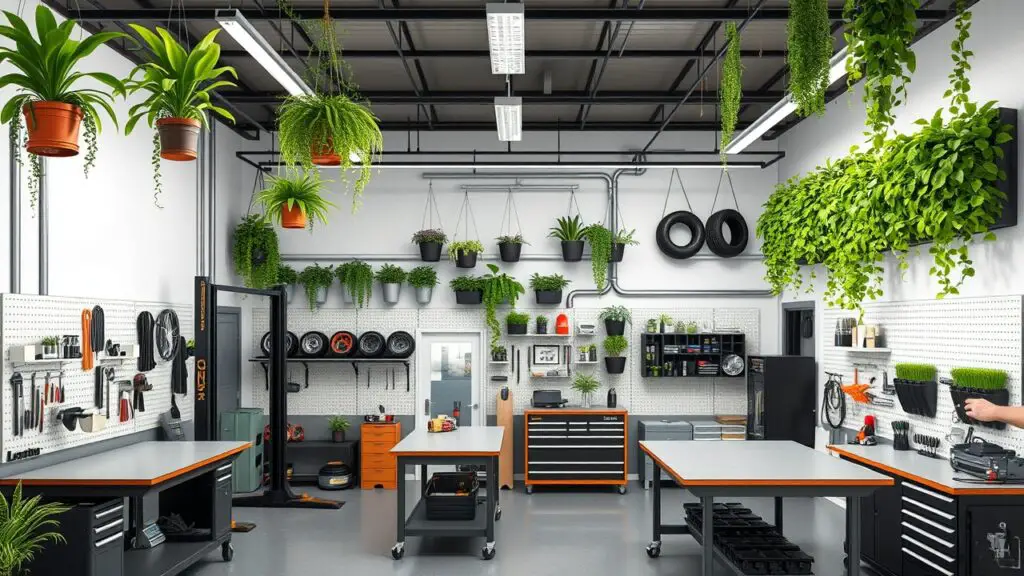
(928, 445)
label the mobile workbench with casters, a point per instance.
(469, 445)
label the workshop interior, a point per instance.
(541, 287)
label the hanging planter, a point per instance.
(356, 278)
(324, 155)
(52, 128)
(464, 252)
(622, 239)
(615, 347)
(391, 278)
(510, 246)
(179, 138)
(469, 290)
(287, 276)
(429, 238)
(255, 253)
(548, 289)
(571, 232)
(294, 199)
(423, 279)
(315, 280)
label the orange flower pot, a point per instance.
(293, 217)
(179, 138)
(325, 156)
(52, 128)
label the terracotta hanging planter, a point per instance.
(52, 128)
(179, 138)
(325, 156)
(292, 217)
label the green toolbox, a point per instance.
(245, 424)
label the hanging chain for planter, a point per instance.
(467, 209)
(727, 218)
(510, 210)
(675, 177)
(428, 215)
(573, 202)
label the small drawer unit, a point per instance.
(929, 532)
(658, 430)
(378, 467)
(95, 542)
(576, 447)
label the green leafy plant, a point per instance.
(287, 275)
(467, 246)
(292, 189)
(498, 288)
(692, 328)
(585, 384)
(550, 283)
(600, 240)
(665, 319)
(498, 351)
(809, 49)
(50, 341)
(467, 284)
(423, 277)
(569, 229)
(430, 235)
(48, 66)
(25, 527)
(255, 252)
(391, 274)
(615, 346)
(981, 378)
(357, 277)
(517, 239)
(879, 34)
(616, 314)
(731, 85)
(338, 424)
(919, 372)
(625, 237)
(542, 320)
(517, 318)
(314, 277)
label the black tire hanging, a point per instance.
(371, 344)
(683, 218)
(313, 344)
(343, 343)
(401, 344)
(167, 332)
(738, 233)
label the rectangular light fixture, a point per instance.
(508, 113)
(781, 109)
(245, 34)
(506, 37)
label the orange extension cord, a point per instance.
(86, 339)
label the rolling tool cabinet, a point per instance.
(94, 531)
(245, 424)
(576, 447)
(377, 466)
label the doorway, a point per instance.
(449, 371)
(229, 359)
(799, 328)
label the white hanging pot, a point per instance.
(392, 291)
(423, 295)
(321, 295)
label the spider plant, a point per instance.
(26, 526)
(295, 199)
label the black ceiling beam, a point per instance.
(585, 110)
(397, 42)
(606, 34)
(660, 14)
(528, 96)
(606, 126)
(553, 54)
(403, 27)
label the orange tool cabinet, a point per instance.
(377, 467)
(576, 447)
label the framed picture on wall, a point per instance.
(547, 354)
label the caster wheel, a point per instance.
(398, 551)
(227, 551)
(653, 550)
(529, 489)
(622, 489)
(497, 515)
(488, 553)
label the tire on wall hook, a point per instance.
(738, 233)
(683, 218)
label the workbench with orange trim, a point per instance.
(776, 469)
(937, 521)
(193, 479)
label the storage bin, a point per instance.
(917, 397)
(961, 394)
(451, 496)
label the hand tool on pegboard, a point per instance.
(140, 384)
(16, 383)
(32, 404)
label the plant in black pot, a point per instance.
(615, 319)
(542, 324)
(464, 253)
(916, 388)
(338, 426)
(614, 348)
(600, 239)
(316, 279)
(986, 383)
(516, 322)
(423, 279)
(430, 242)
(468, 289)
(510, 247)
(499, 354)
(391, 278)
(287, 276)
(548, 289)
(622, 239)
(499, 288)
(571, 232)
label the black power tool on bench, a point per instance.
(987, 461)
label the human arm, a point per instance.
(985, 411)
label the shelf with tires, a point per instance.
(704, 355)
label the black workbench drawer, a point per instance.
(575, 418)
(94, 534)
(222, 500)
(576, 442)
(919, 563)
(108, 555)
(613, 455)
(926, 511)
(930, 497)
(575, 476)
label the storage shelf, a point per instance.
(499, 363)
(587, 363)
(692, 349)
(570, 335)
(853, 350)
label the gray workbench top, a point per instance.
(757, 463)
(142, 464)
(466, 441)
(933, 472)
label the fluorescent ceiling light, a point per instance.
(245, 34)
(781, 109)
(508, 113)
(506, 36)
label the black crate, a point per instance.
(451, 496)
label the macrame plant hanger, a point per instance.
(430, 210)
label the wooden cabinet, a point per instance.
(378, 468)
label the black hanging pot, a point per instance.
(572, 250)
(615, 327)
(510, 251)
(430, 251)
(464, 259)
(469, 297)
(615, 364)
(548, 296)
(618, 251)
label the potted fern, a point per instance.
(294, 200)
(316, 279)
(391, 278)
(622, 239)
(464, 253)
(286, 275)
(548, 289)
(430, 242)
(47, 66)
(614, 348)
(468, 290)
(29, 527)
(356, 278)
(255, 252)
(586, 385)
(510, 247)
(571, 232)
(423, 279)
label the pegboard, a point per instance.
(983, 332)
(26, 319)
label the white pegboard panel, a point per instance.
(983, 332)
(26, 319)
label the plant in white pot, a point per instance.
(50, 344)
(423, 279)
(391, 278)
(586, 385)
(289, 277)
(338, 426)
(316, 279)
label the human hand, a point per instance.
(981, 409)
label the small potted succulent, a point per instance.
(586, 385)
(614, 348)
(464, 253)
(190, 347)
(338, 426)
(571, 232)
(430, 242)
(294, 199)
(423, 279)
(468, 289)
(548, 289)
(542, 324)
(615, 319)
(666, 324)
(316, 279)
(391, 278)
(510, 247)
(622, 239)
(289, 277)
(499, 354)
(516, 322)
(50, 344)
(356, 279)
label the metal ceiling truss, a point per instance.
(546, 54)
(528, 96)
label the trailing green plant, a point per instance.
(338, 424)
(918, 372)
(879, 34)
(255, 252)
(391, 274)
(423, 277)
(48, 65)
(314, 277)
(569, 229)
(498, 288)
(731, 85)
(430, 235)
(600, 239)
(467, 246)
(50, 341)
(514, 318)
(295, 188)
(809, 49)
(467, 284)
(981, 378)
(287, 275)
(616, 314)
(516, 239)
(625, 237)
(550, 283)
(357, 278)
(585, 383)
(615, 346)
(26, 526)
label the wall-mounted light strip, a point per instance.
(508, 113)
(506, 37)
(253, 42)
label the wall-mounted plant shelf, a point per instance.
(689, 355)
(569, 335)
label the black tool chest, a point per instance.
(576, 447)
(95, 542)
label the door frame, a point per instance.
(235, 311)
(481, 387)
(800, 306)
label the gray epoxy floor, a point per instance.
(552, 532)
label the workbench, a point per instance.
(469, 445)
(193, 479)
(765, 468)
(931, 523)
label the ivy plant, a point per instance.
(600, 239)
(731, 85)
(356, 277)
(498, 288)
(314, 277)
(809, 46)
(255, 252)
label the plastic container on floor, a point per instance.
(451, 496)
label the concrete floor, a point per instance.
(552, 532)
